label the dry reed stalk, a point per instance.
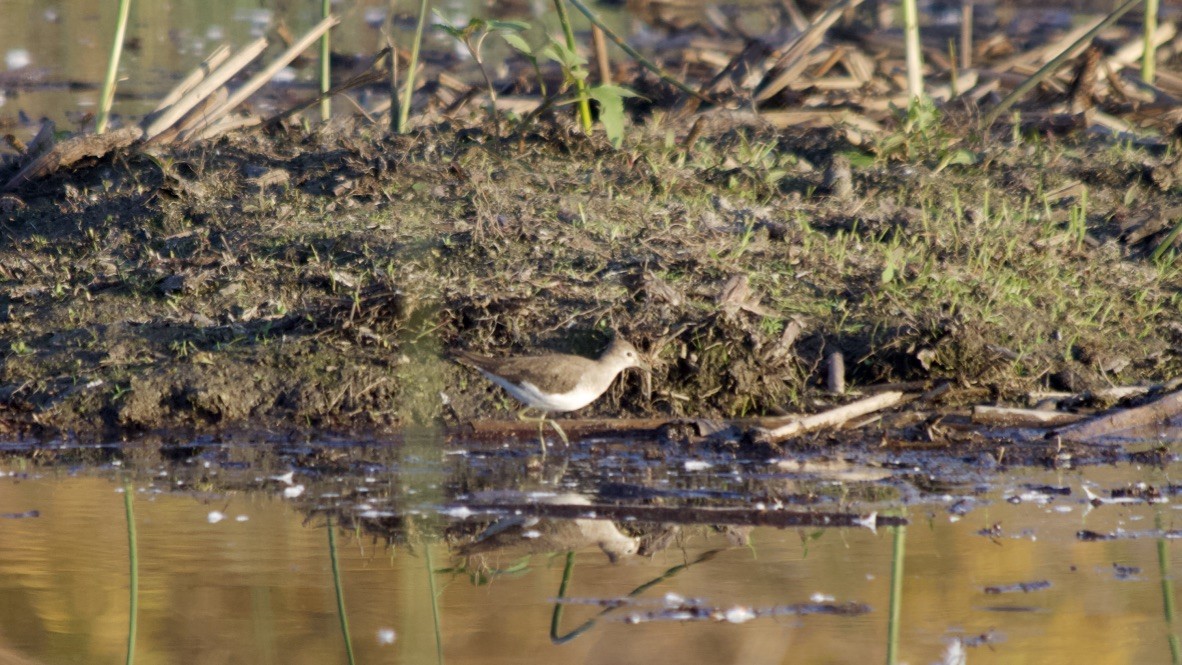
(155, 125)
(263, 76)
(793, 62)
(186, 84)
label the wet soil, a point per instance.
(313, 280)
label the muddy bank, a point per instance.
(314, 281)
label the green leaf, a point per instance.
(961, 157)
(558, 52)
(507, 26)
(859, 159)
(611, 109)
(519, 44)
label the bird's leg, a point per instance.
(561, 434)
(521, 415)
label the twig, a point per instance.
(832, 417)
(793, 62)
(1121, 419)
(997, 416)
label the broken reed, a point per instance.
(107, 96)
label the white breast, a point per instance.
(529, 394)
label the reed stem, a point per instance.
(580, 84)
(107, 97)
(409, 91)
(133, 573)
(325, 65)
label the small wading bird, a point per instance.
(557, 382)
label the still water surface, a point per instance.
(235, 567)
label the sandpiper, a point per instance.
(557, 382)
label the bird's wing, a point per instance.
(556, 376)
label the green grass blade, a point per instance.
(133, 573)
(340, 591)
(107, 97)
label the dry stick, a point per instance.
(228, 124)
(1049, 68)
(997, 416)
(1135, 49)
(836, 378)
(692, 515)
(1121, 419)
(832, 417)
(154, 125)
(71, 150)
(196, 116)
(601, 59)
(793, 62)
(211, 63)
(262, 77)
(633, 53)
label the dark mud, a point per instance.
(300, 282)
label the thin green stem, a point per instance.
(107, 97)
(434, 602)
(568, 572)
(896, 600)
(644, 62)
(336, 583)
(580, 84)
(409, 91)
(133, 573)
(1149, 51)
(325, 65)
(1167, 594)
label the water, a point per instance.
(55, 55)
(235, 561)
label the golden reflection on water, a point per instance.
(260, 590)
